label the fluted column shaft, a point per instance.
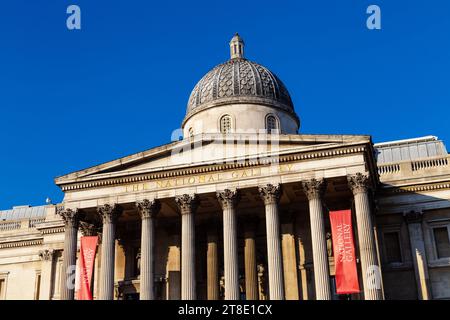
(212, 266)
(251, 276)
(270, 195)
(371, 272)
(314, 190)
(109, 214)
(71, 224)
(187, 205)
(228, 199)
(147, 210)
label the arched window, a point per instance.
(271, 123)
(225, 124)
(191, 132)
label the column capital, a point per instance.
(358, 183)
(71, 217)
(88, 229)
(314, 188)
(187, 203)
(148, 209)
(109, 213)
(413, 216)
(228, 198)
(270, 193)
(47, 254)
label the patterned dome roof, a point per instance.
(239, 81)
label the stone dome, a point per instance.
(239, 81)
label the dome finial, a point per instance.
(237, 47)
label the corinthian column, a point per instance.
(371, 272)
(270, 194)
(109, 214)
(71, 222)
(414, 221)
(228, 200)
(314, 190)
(187, 205)
(148, 211)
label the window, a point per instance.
(271, 123)
(191, 132)
(442, 242)
(225, 124)
(392, 247)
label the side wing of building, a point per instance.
(413, 218)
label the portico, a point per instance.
(222, 199)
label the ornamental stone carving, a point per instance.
(109, 213)
(46, 255)
(270, 194)
(148, 209)
(89, 229)
(187, 203)
(71, 217)
(413, 216)
(228, 198)
(358, 183)
(314, 188)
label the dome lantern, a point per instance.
(237, 47)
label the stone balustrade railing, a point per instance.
(25, 224)
(412, 167)
(388, 168)
(8, 226)
(429, 163)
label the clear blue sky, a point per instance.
(73, 99)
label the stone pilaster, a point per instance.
(270, 194)
(47, 257)
(109, 215)
(187, 205)
(173, 266)
(212, 264)
(370, 268)
(314, 190)
(228, 200)
(289, 260)
(71, 219)
(251, 274)
(419, 256)
(148, 211)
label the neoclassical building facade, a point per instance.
(239, 209)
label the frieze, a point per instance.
(142, 182)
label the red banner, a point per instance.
(346, 274)
(88, 249)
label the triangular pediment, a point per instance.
(204, 150)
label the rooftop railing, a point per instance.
(24, 224)
(439, 164)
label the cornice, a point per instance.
(418, 188)
(163, 174)
(53, 230)
(24, 243)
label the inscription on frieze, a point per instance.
(208, 178)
